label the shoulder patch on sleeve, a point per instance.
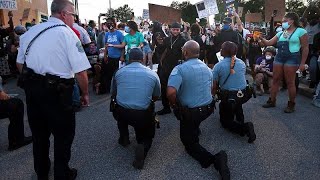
(174, 71)
(79, 46)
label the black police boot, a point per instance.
(16, 145)
(249, 129)
(124, 141)
(139, 157)
(72, 174)
(220, 163)
(164, 111)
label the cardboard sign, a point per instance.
(271, 5)
(26, 13)
(164, 14)
(8, 4)
(253, 17)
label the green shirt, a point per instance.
(294, 42)
(132, 41)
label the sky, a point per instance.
(90, 9)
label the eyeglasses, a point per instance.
(71, 13)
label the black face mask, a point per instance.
(110, 27)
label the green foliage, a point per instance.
(122, 13)
(295, 6)
(188, 11)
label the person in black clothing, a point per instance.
(211, 46)
(254, 51)
(13, 108)
(157, 42)
(228, 34)
(169, 59)
(195, 35)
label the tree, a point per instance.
(188, 10)
(295, 6)
(122, 13)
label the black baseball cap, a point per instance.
(227, 20)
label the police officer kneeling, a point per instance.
(229, 75)
(135, 88)
(189, 93)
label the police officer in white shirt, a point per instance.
(84, 36)
(53, 59)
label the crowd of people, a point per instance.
(188, 66)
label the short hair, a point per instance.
(195, 29)
(132, 25)
(121, 26)
(58, 6)
(229, 49)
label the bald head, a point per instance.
(191, 49)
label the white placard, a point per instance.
(145, 14)
(207, 8)
(240, 11)
(8, 4)
(211, 6)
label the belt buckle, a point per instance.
(240, 94)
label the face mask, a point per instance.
(226, 27)
(110, 27)
(285, 25)
(127, 29)
(268, 57)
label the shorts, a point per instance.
(146, 49)
(294, 59)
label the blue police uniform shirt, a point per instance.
(193, 82)
(236, 81)
(135, 85)
(114, 38)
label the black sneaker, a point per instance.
(26, 141)
(164, 111)
(72, 173)
(250, 132)
(220, 163)
(139, 157)
(124, 141)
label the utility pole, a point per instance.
(110, 10)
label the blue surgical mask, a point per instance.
(126, 29)
(226, 27)
(285, 25)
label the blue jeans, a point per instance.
(76, 95)
(316, 98)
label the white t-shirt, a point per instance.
(58, 51)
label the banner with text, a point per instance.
(8, 4)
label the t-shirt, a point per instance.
(254, 48)
(294, 42)
(268, 65)
(114, 38)
(132, 41)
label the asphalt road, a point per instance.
(287, 146)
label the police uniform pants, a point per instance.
(189, 135)
(47, 116)
(13, 109)
(141, 121)
(228, 112)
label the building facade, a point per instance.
(27, 10)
